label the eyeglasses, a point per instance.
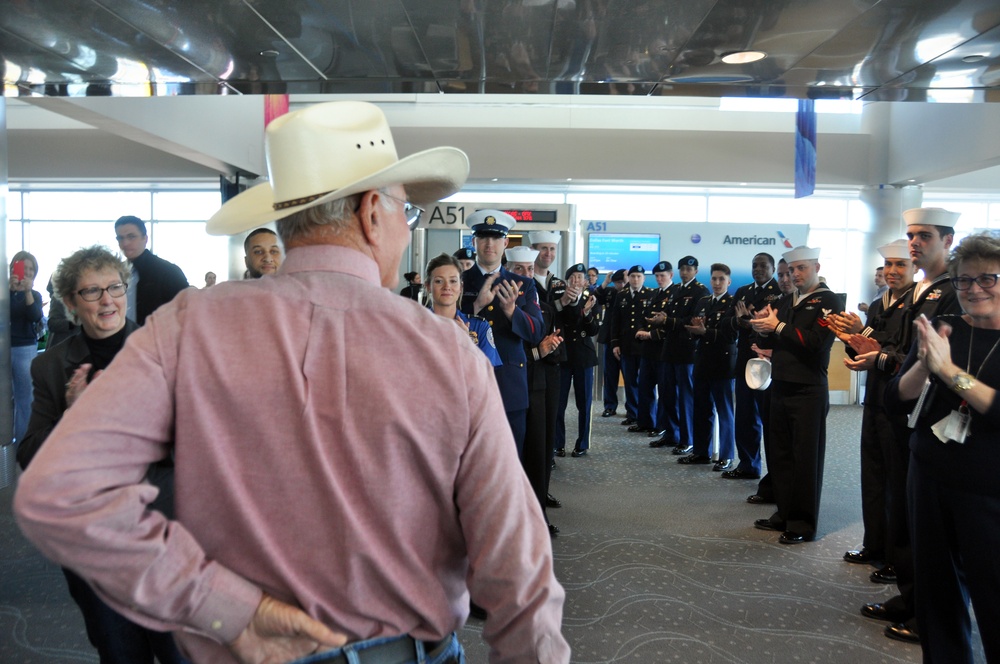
(93, 294)
(983, 281)
(411, 211)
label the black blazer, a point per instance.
(50, 372)
(159, 282)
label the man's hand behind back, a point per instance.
(280, 633)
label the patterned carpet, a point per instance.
(660, 563)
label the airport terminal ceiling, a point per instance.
(878, 50)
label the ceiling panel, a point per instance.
(815, 48)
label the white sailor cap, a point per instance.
(895, 249)
(490, 222)
(535, 237)
(802, 253)
(758, 372)
(931, 216)
(521, 254)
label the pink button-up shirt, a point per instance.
(336, 446)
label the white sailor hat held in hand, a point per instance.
(758, 373)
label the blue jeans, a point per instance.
(451, 653)
(20, 370)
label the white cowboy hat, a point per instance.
(758, 373)
(330, 151)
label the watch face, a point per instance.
(963, 381)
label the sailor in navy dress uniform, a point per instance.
(751, 405)
(546, 244)
(575, 308)
(714, 371)
(800, 339)
(509, 303)
(630, 318)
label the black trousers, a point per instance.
(797, 452)
(877, 441)
(955, 544)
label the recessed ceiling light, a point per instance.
(743, 57)
(969, 59)
(569, 179)
(496, 179)
(269, 53)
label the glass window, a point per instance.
(193, 250)
(512, 198)
(13, 205)
(638, 207)
(818, 212)
(86, 205)
(51, 241)
(974, 215)
(14, 241)
(185, 205)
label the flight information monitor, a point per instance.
(612, 251)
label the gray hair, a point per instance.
(95, 258)
(335, 215)
(983, 247)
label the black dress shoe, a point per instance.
(637, 428)
(608, 412)
(628, 421)
(477, 612)
(662, 442)
(553, 530)
(723, 464)
(579, 453)
(767, 524)
(788, 537)
(737, 474)
(902, 632)
(882, 612)
(552, 501)
(757, 499)
(656, 433)
(695, 459)
(885, 575)
(561, 452)
(680, 450)
(862, 557)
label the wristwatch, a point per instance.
(962, 381)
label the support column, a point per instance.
(885, 204)
(7, 461)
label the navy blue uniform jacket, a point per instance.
(525, 325)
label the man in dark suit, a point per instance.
(510, 304)
(714, 367)
(154, 281)
(751, 405)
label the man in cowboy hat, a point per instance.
(325, 505)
